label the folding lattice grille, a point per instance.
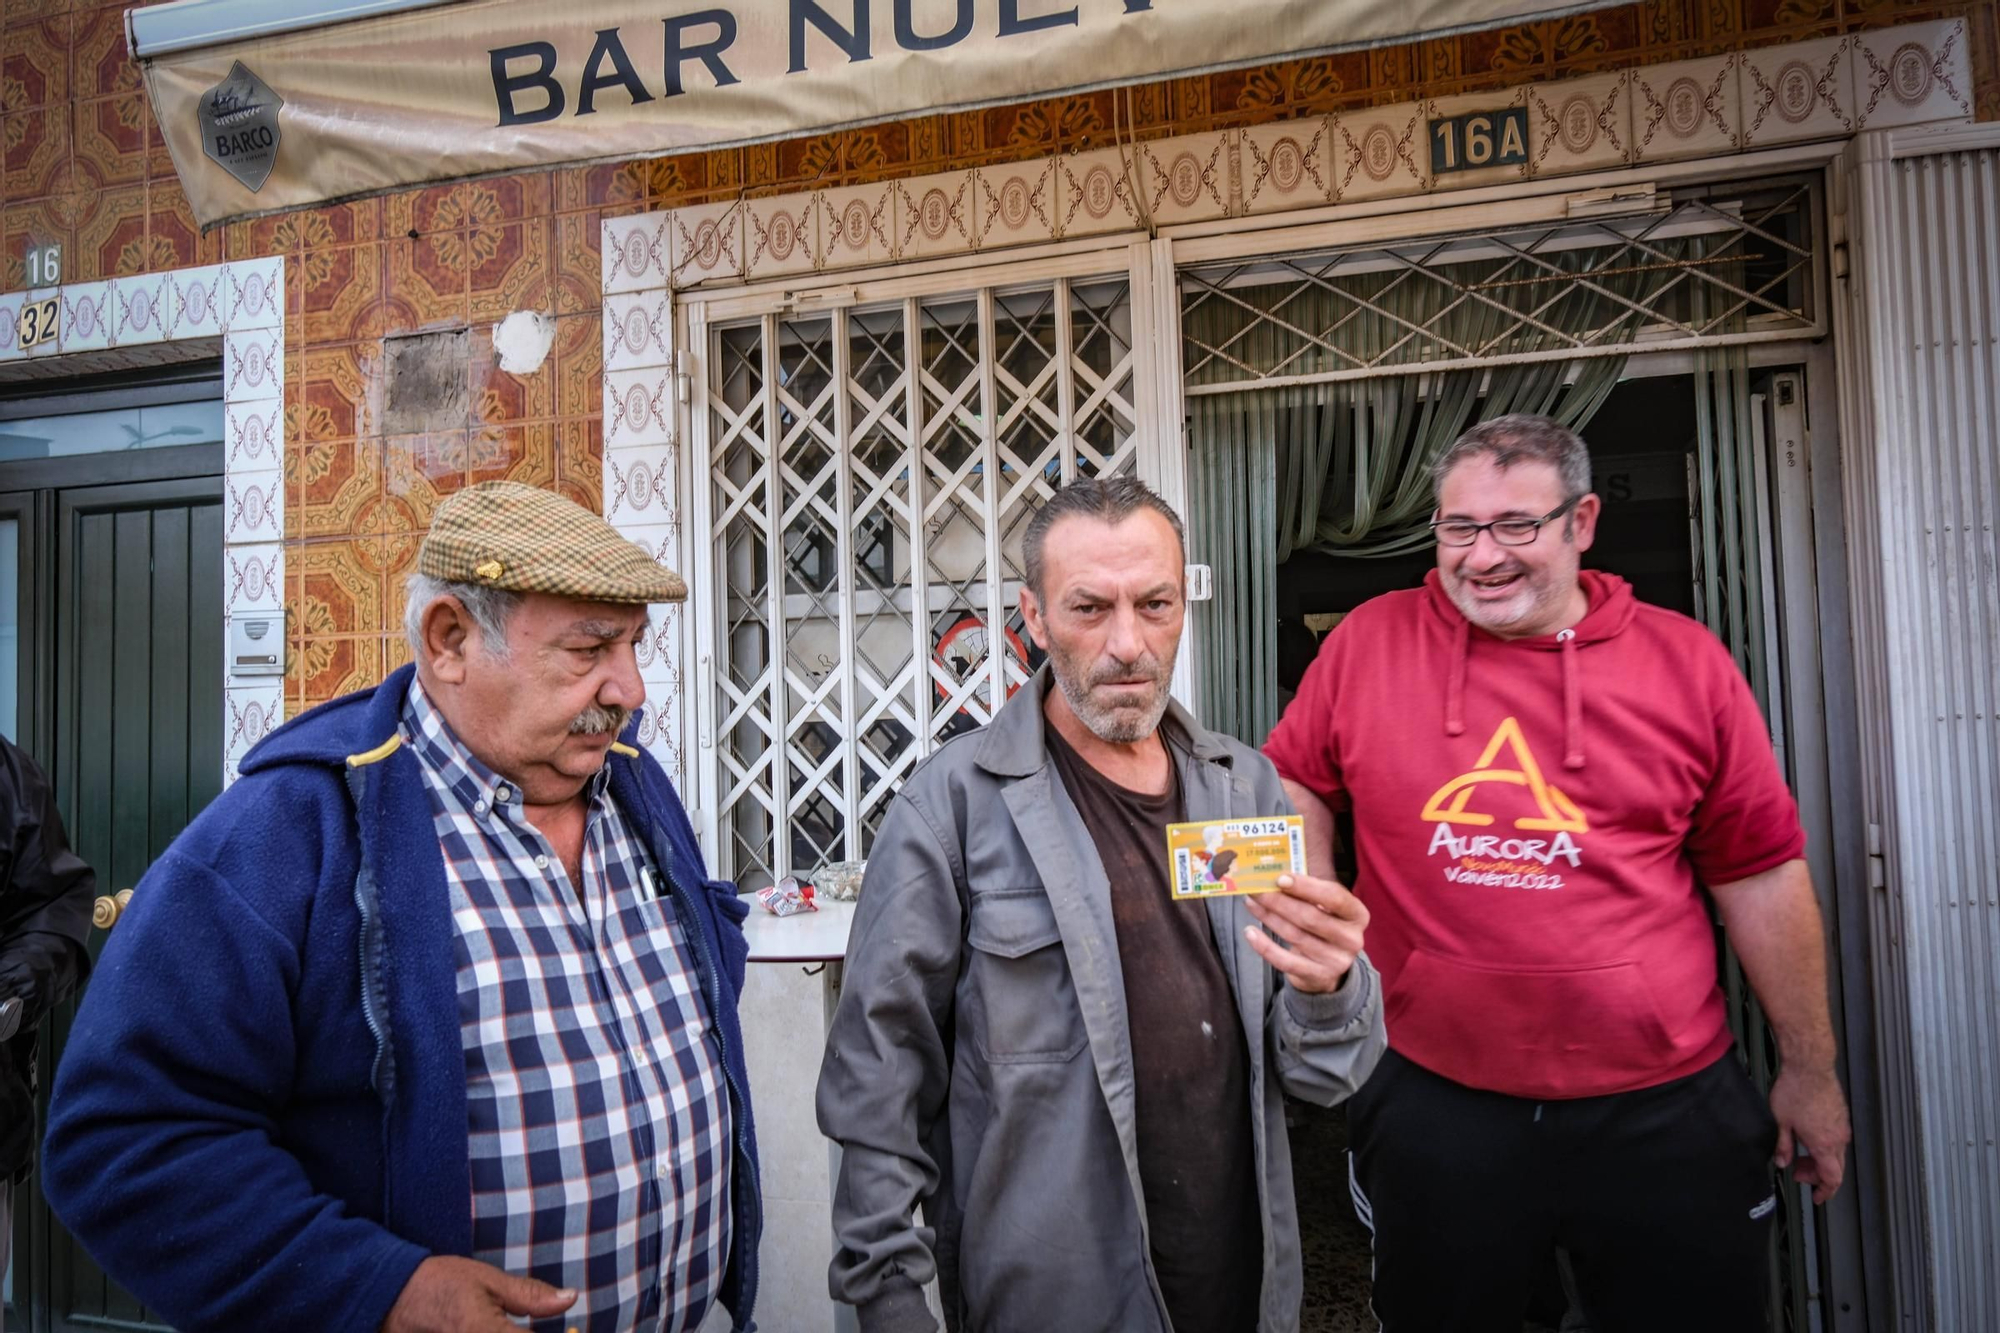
(1701, 270)
(872, 477)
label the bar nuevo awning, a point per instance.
(268, 105)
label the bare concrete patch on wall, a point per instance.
(425, 386)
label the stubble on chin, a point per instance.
(1503, 619)
(1116, 725)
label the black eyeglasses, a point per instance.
(1506, 531)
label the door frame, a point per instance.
(43, 494)
(1805, 538)
(28, 507)
(1805, 531)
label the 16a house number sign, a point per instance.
(40, 320)
(1480, 139)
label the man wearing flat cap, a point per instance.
(428, 1023)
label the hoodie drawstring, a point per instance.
(1572, 702)
(1454, 689)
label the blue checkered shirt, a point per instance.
(598, 1116)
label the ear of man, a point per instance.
(450, 636)
(1031, 617)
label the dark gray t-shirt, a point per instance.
(1190, 1071)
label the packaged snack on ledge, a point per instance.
(788, 897)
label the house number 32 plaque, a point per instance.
(40, 319)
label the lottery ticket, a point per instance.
(1217, 857)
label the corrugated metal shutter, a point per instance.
(1920, 338)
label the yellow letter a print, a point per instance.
(1558, 814)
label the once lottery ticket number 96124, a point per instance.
(1216, 857)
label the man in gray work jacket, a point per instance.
(1078, 1078)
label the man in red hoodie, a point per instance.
(1549, 780)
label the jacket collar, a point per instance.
(1013, 746)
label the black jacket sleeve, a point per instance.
(45, 892)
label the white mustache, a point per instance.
(598, 719)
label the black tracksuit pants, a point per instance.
(1662, 1197)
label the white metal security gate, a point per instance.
(870, 475)
(1920, 384)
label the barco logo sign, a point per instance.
(239, 126)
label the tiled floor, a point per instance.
(1337, 1260)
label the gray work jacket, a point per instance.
(979, 1062)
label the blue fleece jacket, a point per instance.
(260, 1119)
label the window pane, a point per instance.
(109, 432)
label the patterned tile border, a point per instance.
(641, 463)
(241, 303)
(1826, 88)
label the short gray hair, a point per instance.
(1520, 438)
(1109, 500)
(490, 609)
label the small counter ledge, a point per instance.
(806, 937)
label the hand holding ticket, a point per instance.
(1216, 857)
(1312, 928)
(1313, 931)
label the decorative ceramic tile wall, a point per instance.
(248, 301)
(1822, 89)
(1287, 165)
(935, 214)
(1928, 79)
(243, 304)
(1188, 179)
(1579, 124)
(1805, 90)
(641, 449)
(1102, 191)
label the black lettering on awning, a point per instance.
(505, 85)
(680, 51)
(608, 47)
(1012, 23)
(854, 42)
(906, 28)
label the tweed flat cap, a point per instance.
(524, 539)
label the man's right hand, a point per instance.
(450, 1295)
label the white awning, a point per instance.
(268, 105)
(186, 24)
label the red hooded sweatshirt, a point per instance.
(1534, 819)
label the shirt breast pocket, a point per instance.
(646, 906)
(1020, 1004)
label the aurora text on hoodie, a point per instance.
(1504, 863)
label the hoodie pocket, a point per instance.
(1560, 1031)
(1020, 1002)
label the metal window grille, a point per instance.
(1702, 269)
(871, 475)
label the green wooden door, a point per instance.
(134, 627)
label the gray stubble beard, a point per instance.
(1115, 727)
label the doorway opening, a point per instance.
(1675, 336)
(1692, 463)
(1641, 447)
(111, 678)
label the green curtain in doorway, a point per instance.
(1233, 529)
(1343, 467)
(1729, 522)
